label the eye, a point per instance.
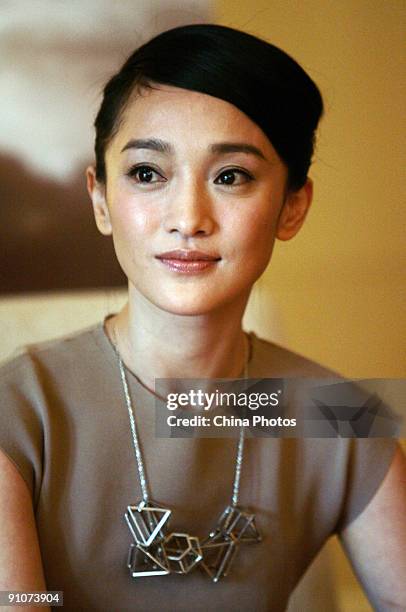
(233, 177)
(145, 174)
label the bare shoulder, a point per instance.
(18, 534)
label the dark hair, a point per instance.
(253, 75)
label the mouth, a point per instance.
(188, 261)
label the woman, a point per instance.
(203, 144)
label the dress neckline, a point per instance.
(112, 355)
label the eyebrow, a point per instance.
(161, 146)
(153, 144)
(237, 147)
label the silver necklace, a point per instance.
(155, 551)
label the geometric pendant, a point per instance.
(146, 521)
(147, 562)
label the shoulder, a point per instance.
(41, 387)
(271, 359)
(30, 362)
(349, 470)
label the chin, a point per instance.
(199, 303)
(186, 308)
(192, 300)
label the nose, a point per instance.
(190, 211)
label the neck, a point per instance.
(154, 343)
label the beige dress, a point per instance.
(64, 423)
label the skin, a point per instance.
(20, 557)
(189, 206)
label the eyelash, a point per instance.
(133, 173)
(243, 173)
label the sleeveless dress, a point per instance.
(64, 424)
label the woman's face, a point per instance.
(194, 197)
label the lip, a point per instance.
(188, 255)
(188, 261)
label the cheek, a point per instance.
(253, 231)
(130, 218)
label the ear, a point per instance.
(294, 211)
(97, 193)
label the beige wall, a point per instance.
(338, 288)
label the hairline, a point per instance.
(143, 84)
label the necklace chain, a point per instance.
(136, 443)
(154, 551)
(137, 449)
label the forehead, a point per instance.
(184, 118)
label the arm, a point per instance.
(375, 541)
(20, 557)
